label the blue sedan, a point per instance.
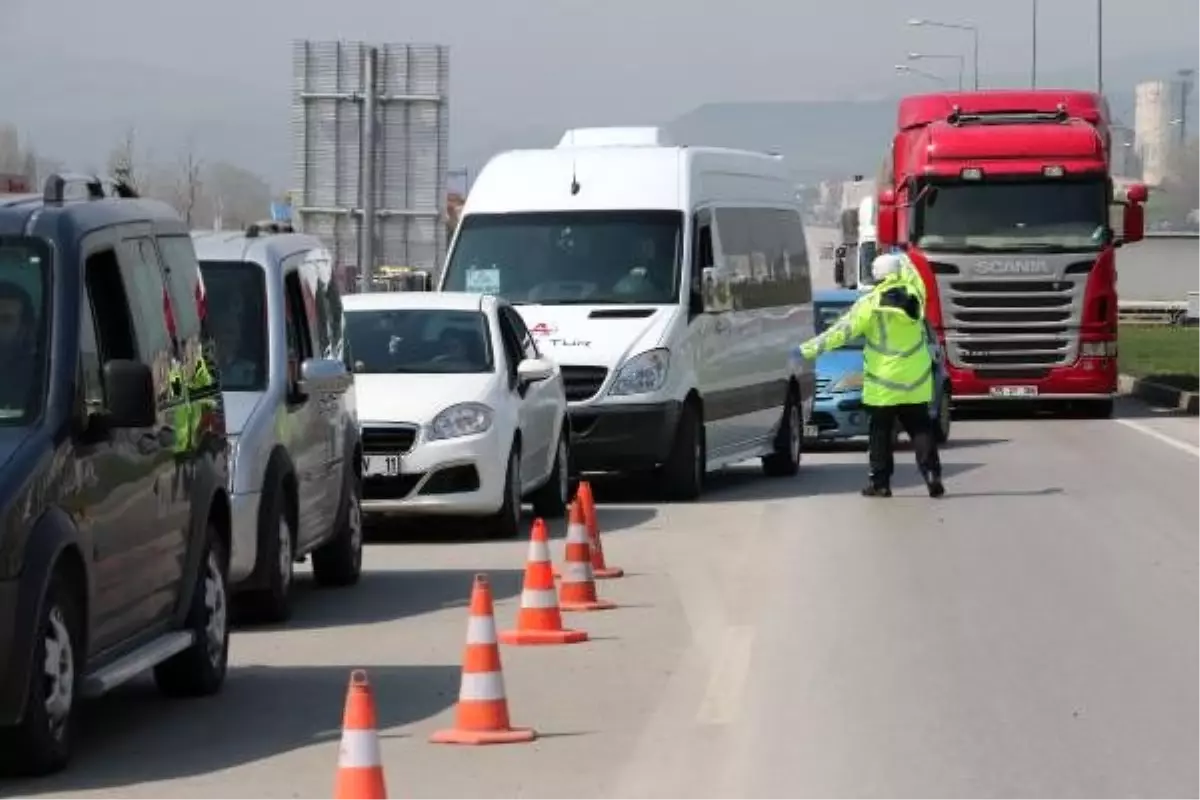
(838, 411)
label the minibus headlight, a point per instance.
(645, 372)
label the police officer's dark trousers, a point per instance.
(915, 420)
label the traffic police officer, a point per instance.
(897, 369)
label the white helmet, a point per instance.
(885, 265)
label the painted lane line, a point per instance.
(723, 697)
(1178, 444)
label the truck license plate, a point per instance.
(385, 466)
(1014, 391)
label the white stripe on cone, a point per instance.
(359, 749)
(481, 630)
(577, 572)
(538, 552)
(481, 686)
(539, 598)
(577, 534)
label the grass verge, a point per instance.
(1164, 354)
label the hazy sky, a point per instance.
(533, 62)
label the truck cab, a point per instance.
(1002, 199)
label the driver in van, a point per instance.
(17, 345)
(636, 281)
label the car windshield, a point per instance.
(24, 299)
(415, 341)
(581, 257)
(1014, 216)
(826, 314)
(237, 312)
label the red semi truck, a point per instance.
(1003, 200)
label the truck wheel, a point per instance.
(1098, 409)
(550, 501)
(276, 540)
(339, 561)
(200, 670)
(785, 461)
(41, 742)
(683, 473)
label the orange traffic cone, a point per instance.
(482, 713)
(360, 766)
(540, 620)
(578, 589)
(600, 570)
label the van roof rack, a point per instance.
(268, 227)
(62, 187)
(1011, 117)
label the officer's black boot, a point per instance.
(933, 482)
(874, 489)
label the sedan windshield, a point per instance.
(237, 311)
(582, 257)
(412, 341)
(1017, 216)
(24, 300)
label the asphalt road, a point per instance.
(1034, 633)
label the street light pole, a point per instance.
(1033, 50)
(905, 69)
(974, 30)
(954, 56)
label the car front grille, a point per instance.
(582, 383)
(389, 439)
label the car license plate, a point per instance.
(1014, 391)
(385, 466)
(810, 431)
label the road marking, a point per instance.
(723, 697)
(1178, 444)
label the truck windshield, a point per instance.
(581, 257)
(24, 302)
(237, 311)
(1045, 215)
(867, 250)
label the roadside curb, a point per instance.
(1156, 394)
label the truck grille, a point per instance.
(582, 383)
(1010, 324)
(389, 439)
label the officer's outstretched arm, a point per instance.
(850, 325)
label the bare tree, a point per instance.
(123, 160)
(189, 186)
(241, 196)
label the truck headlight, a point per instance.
(645, 372)
(848, 383)
(464, 419)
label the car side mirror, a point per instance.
(533, 370)
(130, 399)
(323, 376)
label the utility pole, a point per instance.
(366, 232)
(1185, 92)
(1033, 50)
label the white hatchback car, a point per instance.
(460, 414)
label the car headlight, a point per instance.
(645, 372)
(848, 383)
(464, 419)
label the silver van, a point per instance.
(295, 475)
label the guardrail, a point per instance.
(1160, 312)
